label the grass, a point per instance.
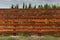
(28, 36)
(45, 37)
(23, 34)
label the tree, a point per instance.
(35, 6)
(12, 6)
(53, 6)
(17, 6)
(30, 6)
(46, 6)
(40, 6)
(58, 7)
(23, 5)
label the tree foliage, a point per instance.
(17, 6)
(54, 6)
(12, 6)
(39, 6)
(23, 5)
(30, 6)
(34, 6)
(46, 6)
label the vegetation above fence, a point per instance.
(39, 6)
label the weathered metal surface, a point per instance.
(29, 20)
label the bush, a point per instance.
(24, 34)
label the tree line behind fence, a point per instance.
(35, 6)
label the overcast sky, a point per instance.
(8, 3)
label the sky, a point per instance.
(8, 3)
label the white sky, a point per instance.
(8, 3)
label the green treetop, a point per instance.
(35, 6)
(23, 5)
(54, 6)
(30, 6)
(17, 6)
(46, 6)
(12, 6)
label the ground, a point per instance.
(31, 37)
